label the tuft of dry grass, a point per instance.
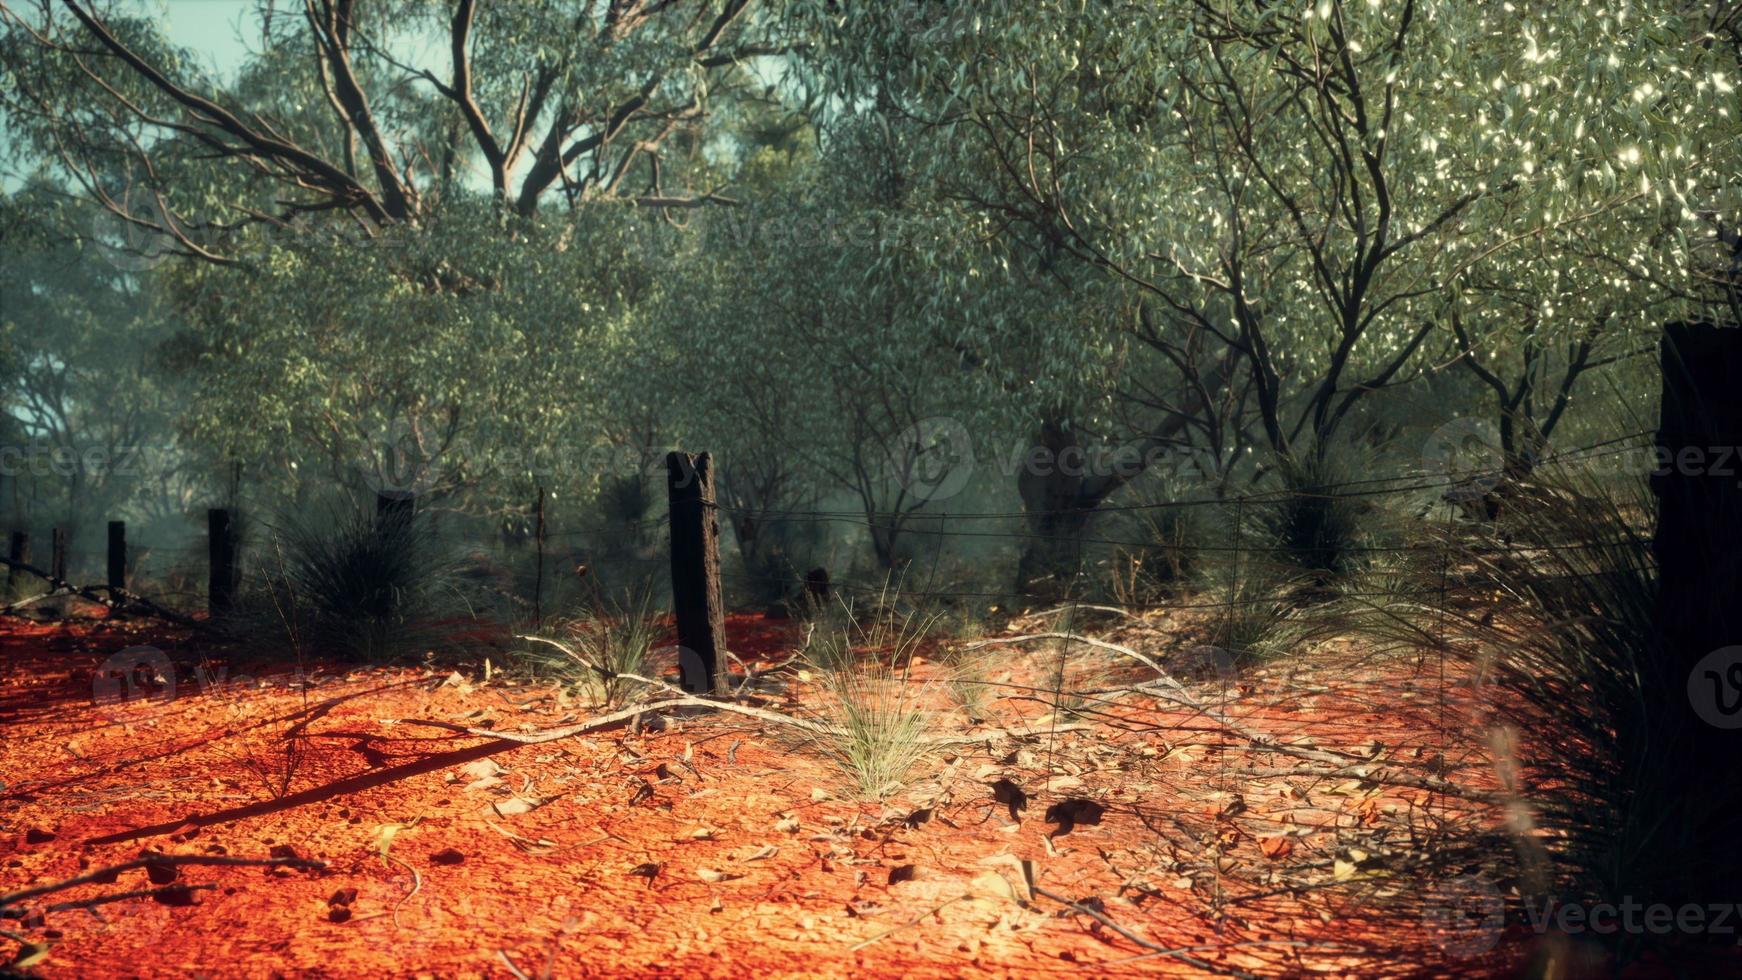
(876, 719)
(597, 652)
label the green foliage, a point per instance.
(816, 234)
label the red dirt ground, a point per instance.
(713, 846)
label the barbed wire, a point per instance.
(1273, 495)
(164, 564)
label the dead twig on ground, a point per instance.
(675, 699)
(117, 601)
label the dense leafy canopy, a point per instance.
(478, 249)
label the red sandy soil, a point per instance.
(713, 845)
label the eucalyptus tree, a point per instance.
(349, 363)
(80, 340)
(1301, 185)
(862, 294)
(413, 228)
(746, 394)
(835, 326)
(1624, 136)
(342, 112)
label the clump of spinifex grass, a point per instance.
(875, 720)
(368, 587)
(1252, 607)
(602, 652)
(1591, 709)
(1317, 522)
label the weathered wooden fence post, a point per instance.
(117, 556)
(538, 543)
(223, 576)
(1698, 546)
(816, 587)
(19, 552)
(57, 556)
(695, 572)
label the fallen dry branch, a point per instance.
(116, 600)
(1166, 687)
(91, 903)
(624, 716)
(674, 699)
(1154, 949)
(1124, 651)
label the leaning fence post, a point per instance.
(221, 550)
(19, 552)
(57, 559)
(695, 571)
(117, 556)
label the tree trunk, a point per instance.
(1059, 498)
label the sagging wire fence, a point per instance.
(182, 578)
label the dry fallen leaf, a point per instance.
(713, 876)
(995, 886)
(518, 805)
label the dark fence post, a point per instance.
(538, 578)
(19, 552)
(1698, 545)
(117, 556)
(816, 587)
(695, 572)
(57, 557)
(394, 506)
(221, 550)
